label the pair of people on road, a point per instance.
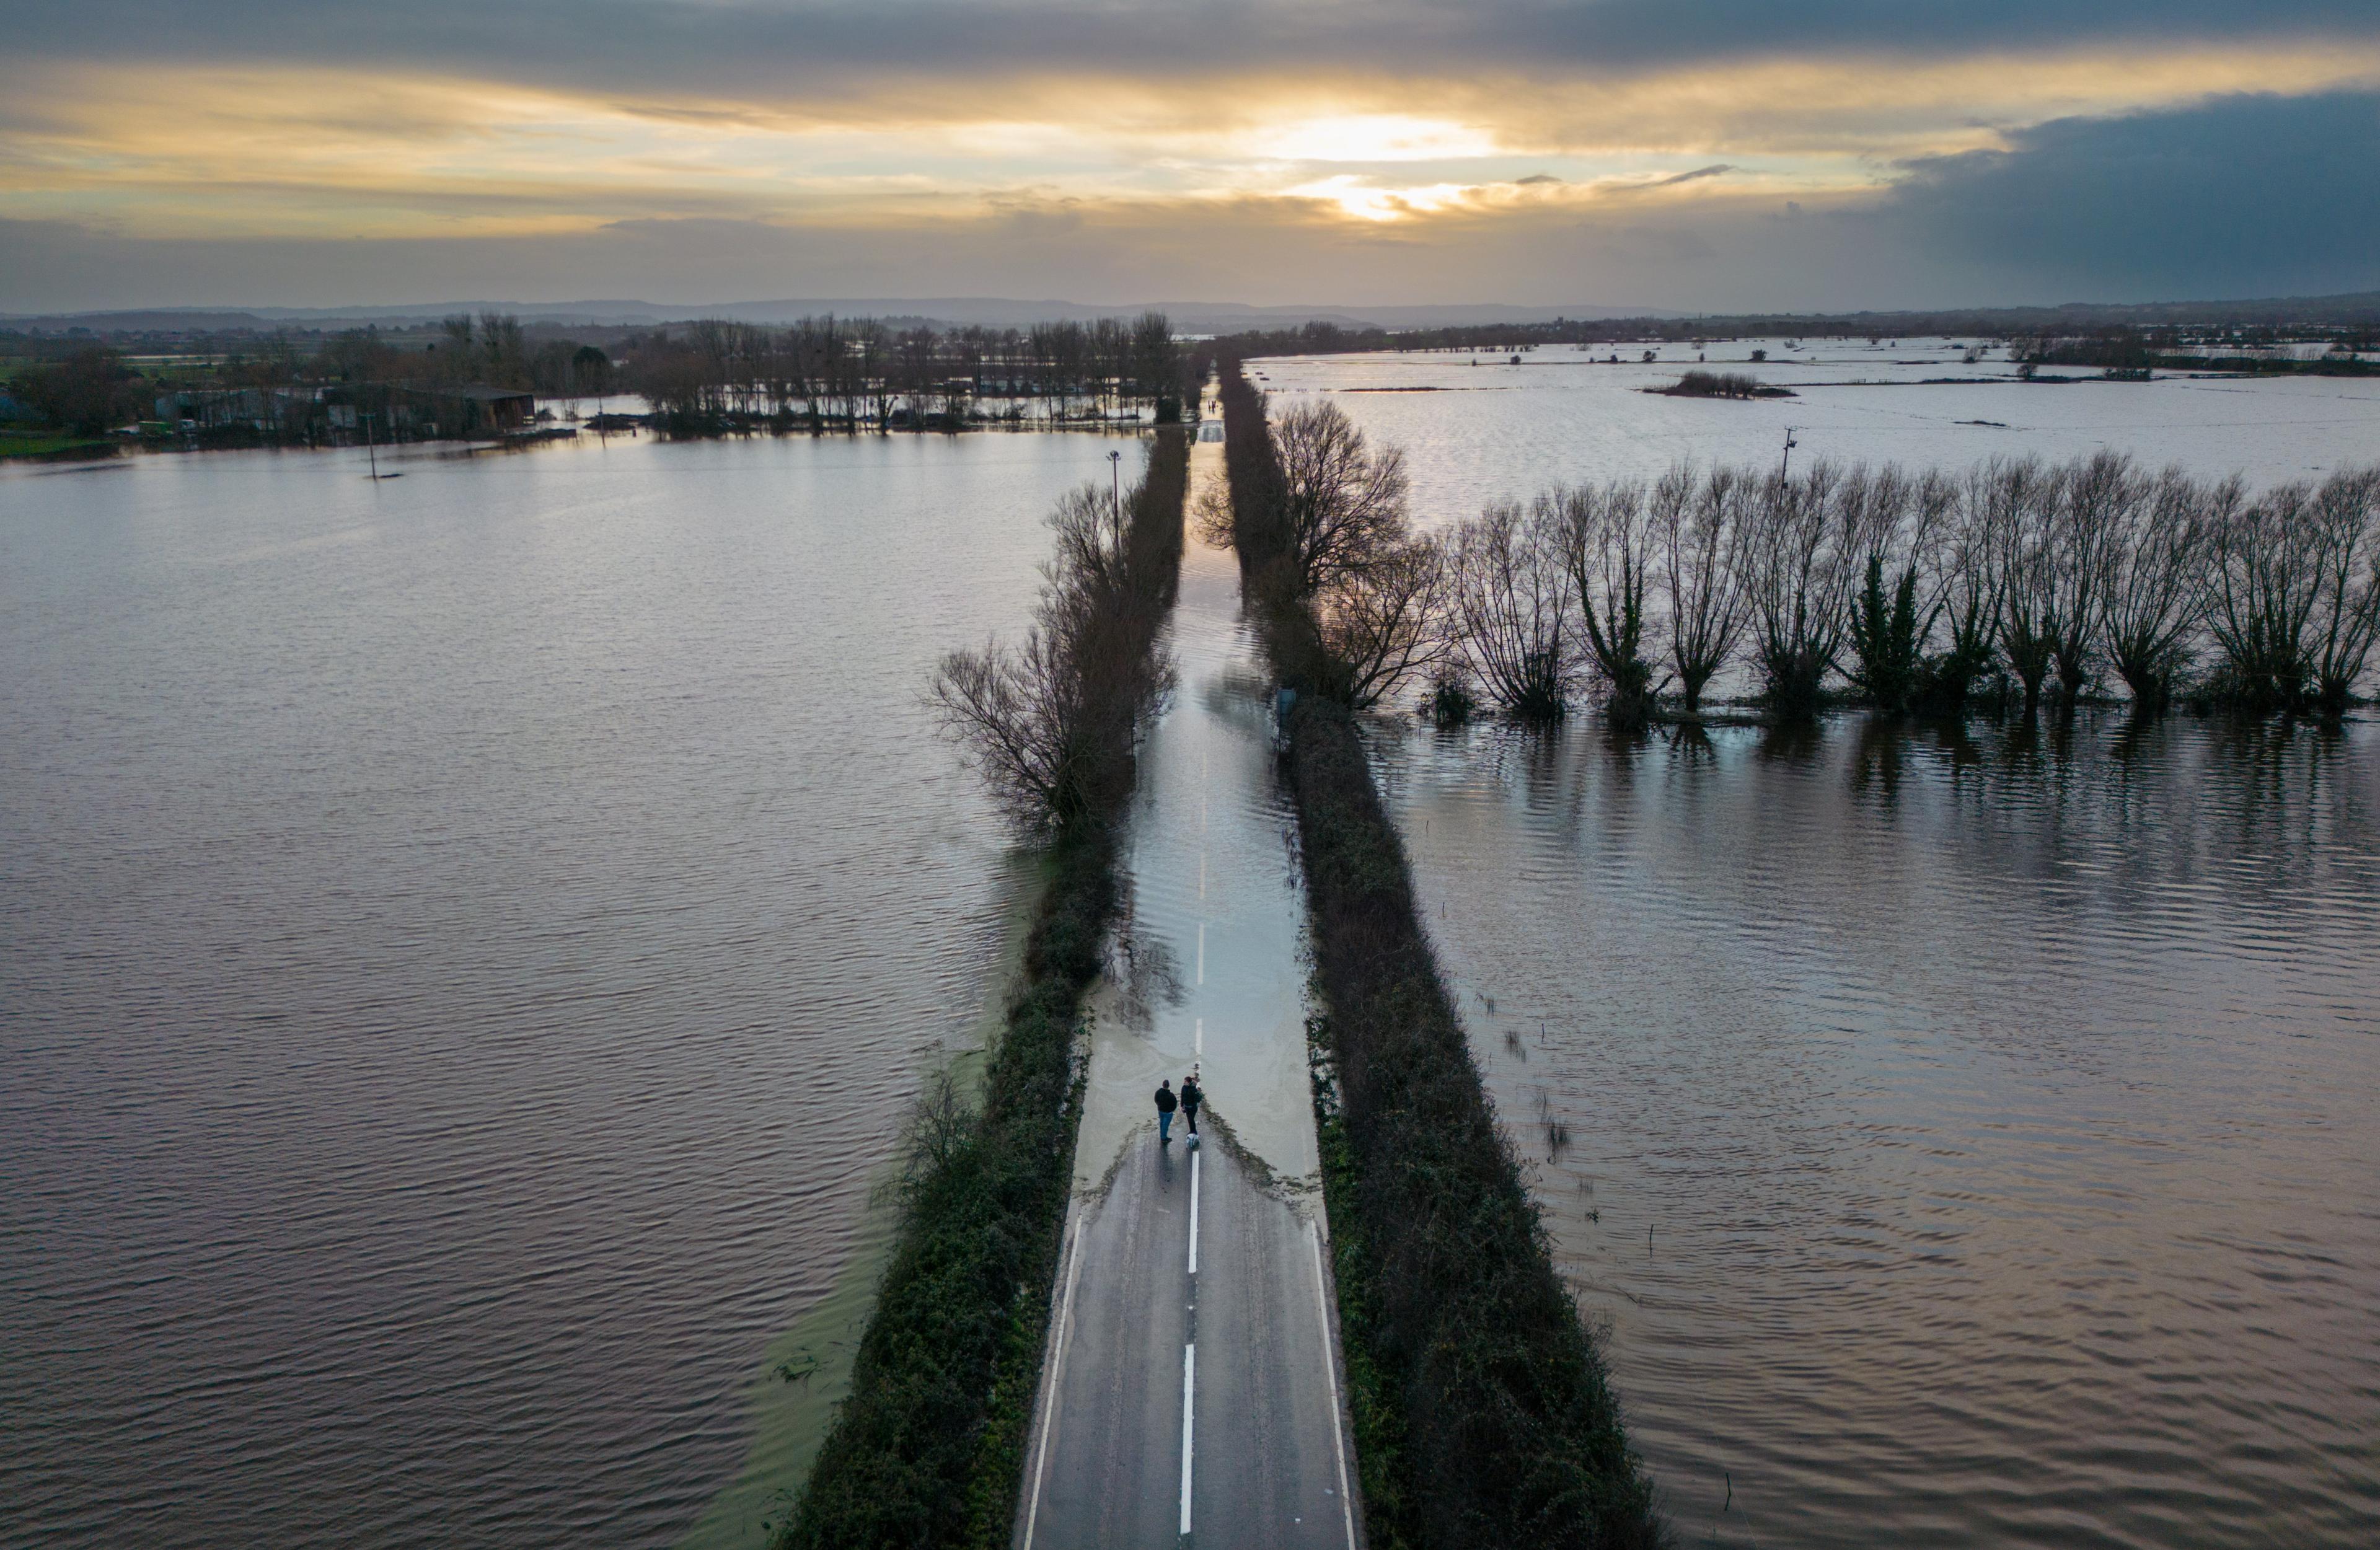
(1187, 1100)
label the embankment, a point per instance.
(929, 1448)
(1483, 1414)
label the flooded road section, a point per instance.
(1191, 1390)
(466, 943)
(1968, 1140)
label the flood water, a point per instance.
(466, 944)
(1970, 1140)
(1966, 1139)
(1501, 431)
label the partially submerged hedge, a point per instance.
(929, 1445)
(929, 1449)
(1505, 1432)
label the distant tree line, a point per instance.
(2011, 585)
(828, 373)
(2046, 336)
(704, 378)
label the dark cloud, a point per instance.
(2243, 195)
(761, 52)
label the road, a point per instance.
(1191, 1391)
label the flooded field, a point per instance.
(1960, 1135)
(1496, 431)
(466, 944)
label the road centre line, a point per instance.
(1189, 1385)
(1193, 1213)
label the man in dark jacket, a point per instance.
(1166, 1102)
(1192, 1096)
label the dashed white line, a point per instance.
(1331, 1366)
(1202, 955)
(1193, 1213)
(1199, 1038)
(1189, 1383)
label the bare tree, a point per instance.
(1698, 525)
(1801, 560)
(2096, 498)
(2266, 581)
(1607, 544)
(1341, 503)
(1019, 713)
(2156, 583)
(2347, 566)
(1512, 598)
(1385, 622)
(2025, 501)
(1050, 722)
(1964, 559)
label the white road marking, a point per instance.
(1189, 1382)
(1193, 1213)
(1202, 952)
(1199, 1038)
(1331, 1366)
(1057, 1366)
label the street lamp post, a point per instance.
(1115, 484)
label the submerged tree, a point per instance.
(1341, 503)
(2096, 498)
(2021, 498)
(2346, 621)
(1512, 598)
(1800, 565)
(2265, 584)
(1385, 622)
(1885, 629)
(1698, 526)
(2155, 584)
(1608, 547)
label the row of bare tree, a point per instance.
(1051, 720)
(1908, 589)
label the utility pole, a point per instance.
(1789, 445)
(1115, 486)
(370, 449)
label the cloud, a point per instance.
(2243, 196)
(747, 48)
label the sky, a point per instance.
(1682, 154)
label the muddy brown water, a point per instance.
(467, 944)
(1963, 1140)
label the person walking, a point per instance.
(1166, 1104)
(1192, 1096)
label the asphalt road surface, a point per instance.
(1190, 1389)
